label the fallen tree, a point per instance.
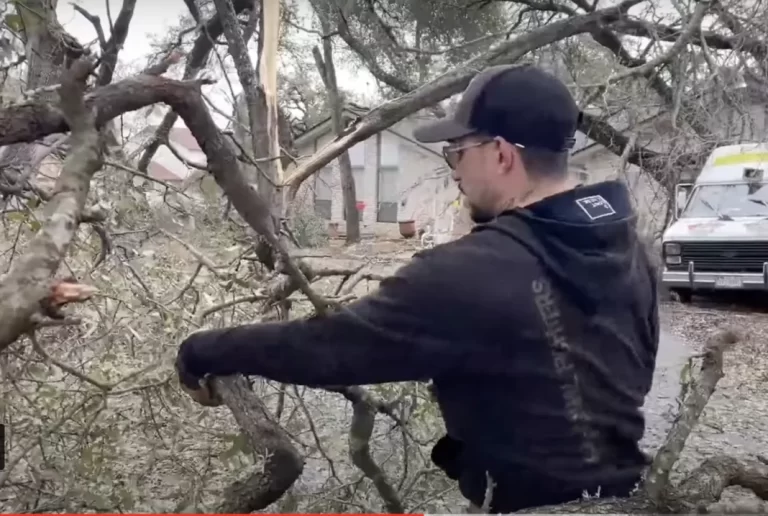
(33, 275)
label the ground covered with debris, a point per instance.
(736, 416)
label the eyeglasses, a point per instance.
(452, 153)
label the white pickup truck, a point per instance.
(719, 239)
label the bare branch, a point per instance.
(657, 480)
(28, 282)
(451, 83)
(196, 61)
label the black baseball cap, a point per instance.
(523, 104)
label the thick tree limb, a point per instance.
(28, 284)
(253, 94)
(656, 164)
(111, 50)
(657, 480)
(450, 83)
(327, 70)
(282, 463)
(271, 21)
(360, 432)
(644, 29)
(196, 60)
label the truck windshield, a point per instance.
(728, 200)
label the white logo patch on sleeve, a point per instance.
(596, 207)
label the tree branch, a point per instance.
(451, 83)
(282, 463)
(196, 61)
(111, 50)
(27, 285)
(657, 480)
(327, 70)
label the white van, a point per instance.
(719, 239)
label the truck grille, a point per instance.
(724, 256)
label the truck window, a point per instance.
(733, 200)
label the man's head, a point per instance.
(509, 138)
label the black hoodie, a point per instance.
(539, 330)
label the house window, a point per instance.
(358, 175)
(388, 196)
(324, 192)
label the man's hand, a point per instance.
(199, 389)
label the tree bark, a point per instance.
(48, 49)
(26, 287)
(327, 70)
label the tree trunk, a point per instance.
(268, 77)
(47, 48)
(327, 71)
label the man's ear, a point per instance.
(507, 155)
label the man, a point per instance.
(539, 329)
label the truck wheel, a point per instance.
(683, 294)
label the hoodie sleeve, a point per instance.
(391, 335)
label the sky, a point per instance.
(152, 18)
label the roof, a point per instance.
(182, 140)
(351, 112)
(183, 136)
(161, 172)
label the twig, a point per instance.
(490, 485)
(360, 432)
(232, 302)
(64, 367)
(200, 257)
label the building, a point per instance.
(396, 177)
(399, 179)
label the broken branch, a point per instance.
(27, 285)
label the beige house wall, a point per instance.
(424, 189)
